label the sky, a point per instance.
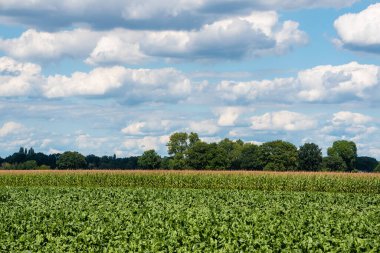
(120, 76)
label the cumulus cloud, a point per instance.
(147, 14)
(282, 120)
(347, 117)
(17, 78)
(131, 85)
(228, 115)
(257, 34)
(152, 126)
(10, 127)
(204, 127)
(348, 124)
(44, 46)
(360, 31)
(333, 84)
(126, 84)
(138, 145)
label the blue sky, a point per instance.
(119, 77)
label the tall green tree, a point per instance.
(149, 160)
(178, 145)
(310, 157)
(233, 150)
(71, 160)
(198, 155)
(346, 150)
(249, 158)
(278, 155)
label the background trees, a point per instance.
(278, 155)
(309, 157)
(149, 160)
(71, 160)
(188, 151)
(346, 150)
(249, 159)
(365, 163)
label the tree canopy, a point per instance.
(71, 160)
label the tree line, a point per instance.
(188, 151)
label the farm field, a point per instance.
(188, 212)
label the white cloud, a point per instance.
(259, 33)
(17, 78)
(97, 82)
(326, 83)
(276, 89)
(204, 127)
(334, 83)
(10, 127)
(283, 120)
(45, 46)
(147, 14)
(134, 129)
(148, 142)
(346, 117)
(128, 85)
(256, 34)
(360, 31)
(228, 115)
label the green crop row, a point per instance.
(37, 219)
(269, 182)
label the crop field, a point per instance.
(82, 211)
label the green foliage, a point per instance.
(278, 155)
(333, 163)
(178, 145)
(249, 159)
(232, 150)
(149, 160)
(377, 169)
(186, 220)
(309, 157)
(71, 160)
(346, 150)
(365, 163)
(197, 155)
(320, 182)
(28, 165)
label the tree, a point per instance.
(31, 152)
(377, 169)
(249, 157)
(71, 160)
(178, 145)
(197, 155)
(365, 163)
(310, 157)
(278, 155)
(149, 160)
(217, 158)
(233, 150)
(93, 161)
(346, 150)
(333, 163)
